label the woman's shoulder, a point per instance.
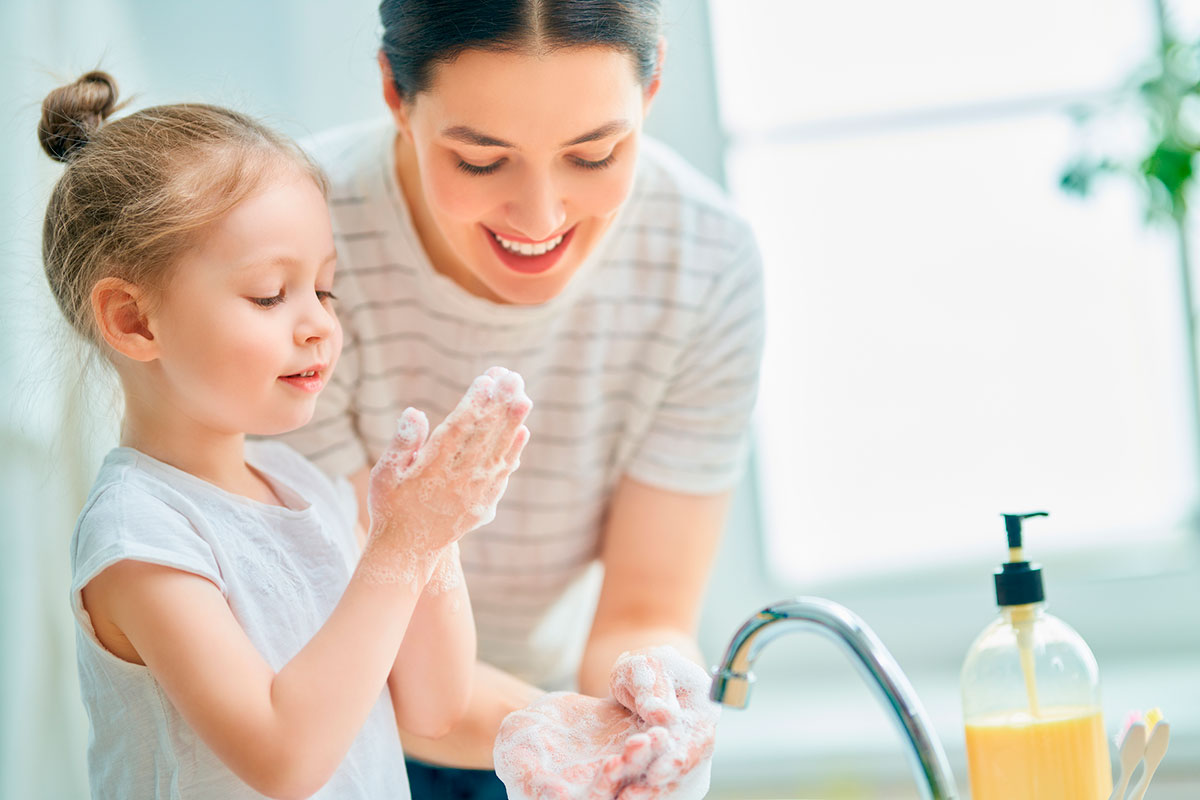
(348, 154)
(671, 195)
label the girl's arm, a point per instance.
(285, 733)
(282, 733)
(431, 680)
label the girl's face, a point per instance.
(523, 161)
(246, 331)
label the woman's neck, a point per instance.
(214, 456)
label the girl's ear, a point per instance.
(391, 96)
(119, 308)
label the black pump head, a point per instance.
(1019, 582)
(1012, 524)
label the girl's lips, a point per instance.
(310, 384)
(528, 265)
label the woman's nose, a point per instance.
(538, 212)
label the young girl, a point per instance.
(232, 641)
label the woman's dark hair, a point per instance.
(420, 35)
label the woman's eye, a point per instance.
(475, 169)
(323, 295)
(267, 302)
(607, 161)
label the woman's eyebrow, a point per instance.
(468, 135)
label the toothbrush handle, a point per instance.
(1119, 792)
(1139, 789)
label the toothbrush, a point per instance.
(1131, 742)
(1156, 747)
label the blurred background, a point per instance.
(976, 235)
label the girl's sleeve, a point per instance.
(699, 437)
(126, 523)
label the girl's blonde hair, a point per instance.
(137, 191)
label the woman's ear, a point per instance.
(119, 308)
(655, 81)
(391, 96)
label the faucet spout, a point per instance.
(732, 680)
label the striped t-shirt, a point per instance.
(646, 366)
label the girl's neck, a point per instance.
(213, 456)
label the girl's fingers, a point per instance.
(519, 440)
(412, 430)
(513, 406)
(460, 424)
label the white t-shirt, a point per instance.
(646, 365)
(282, 571)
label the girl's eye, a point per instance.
(607, 161)
(324, 295)
(475, 169)
(267, 302)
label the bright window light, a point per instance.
(949, 335)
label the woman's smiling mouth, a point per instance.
(527, 257)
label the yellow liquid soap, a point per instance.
(1061, 754)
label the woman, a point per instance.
(511, 212)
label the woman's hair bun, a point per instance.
(72, 113)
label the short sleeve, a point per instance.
(331, 440)
(699, 437)
(126, 523)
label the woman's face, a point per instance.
(522, 161)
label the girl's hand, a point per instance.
(429, 489)
(654, 740)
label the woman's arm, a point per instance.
(658, 549)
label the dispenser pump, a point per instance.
(1018, 582)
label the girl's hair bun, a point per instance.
(71, 114)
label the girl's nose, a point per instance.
(538, 211)
(316, 322)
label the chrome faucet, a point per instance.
(731, 680)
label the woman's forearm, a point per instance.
(604, 647)
(494, 695)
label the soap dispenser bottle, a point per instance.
(1031, 696)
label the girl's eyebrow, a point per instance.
(468, 135)
(272, 261)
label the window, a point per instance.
(950, 336)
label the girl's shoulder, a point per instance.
(136, 510)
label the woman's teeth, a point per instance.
(305, 374)
(527, 249)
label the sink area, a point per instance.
(733, 677)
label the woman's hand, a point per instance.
(654, 740)
(665, 689)
(567, 746)
(429, 489)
